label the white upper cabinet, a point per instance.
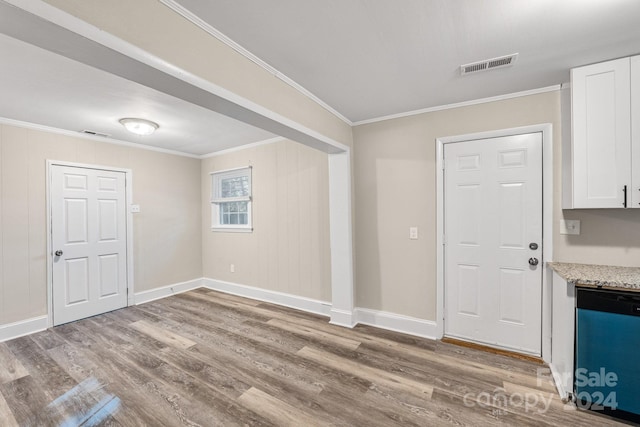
(601, 145)
(635, 133)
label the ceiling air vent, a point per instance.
(488, 64)
(94, 133)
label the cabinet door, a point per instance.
(635, 132)
(601, 145)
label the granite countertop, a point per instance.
(607, 276)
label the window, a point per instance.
(231, 200)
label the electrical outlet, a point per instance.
(232, 268)
(135, 208)
(570, 226)
(413, 233)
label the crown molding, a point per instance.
(459, 104)
(194, 19)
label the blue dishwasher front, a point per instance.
(607, 376)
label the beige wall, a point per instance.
(288, 251)
(395, 188)
(166, 233)
(181, 43)
(607, 236)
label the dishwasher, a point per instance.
(607, 362)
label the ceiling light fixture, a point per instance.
(139, 126)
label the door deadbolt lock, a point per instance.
(58, 253)
(533, 261)
(533, 246)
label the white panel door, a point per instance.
(493, 213)
(88, 225)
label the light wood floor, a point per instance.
(205, 358)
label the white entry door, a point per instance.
(89, 243)
(493, 239)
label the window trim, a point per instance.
(216, 200)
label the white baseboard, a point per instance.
(22, 328)
(397, 322)
(380, 319)
(343, 318)
(166, 291)
(293, 301)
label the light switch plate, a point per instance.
(570, 226)
(135, 208)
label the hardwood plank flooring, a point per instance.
(204, 358)
(6, 415)
(277, 411)
(162, 335)
(10, 368)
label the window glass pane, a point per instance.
(234, 187)
(234, 213)
(225, 212)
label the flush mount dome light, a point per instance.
(139, 126)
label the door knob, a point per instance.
(58, 253)
(533, 261)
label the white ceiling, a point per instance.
(373, 58)
(363, 58)
(47, 89)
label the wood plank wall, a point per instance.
(167, 248)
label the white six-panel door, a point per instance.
(493, 213)
(88, 227)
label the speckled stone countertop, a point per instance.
(607, 276)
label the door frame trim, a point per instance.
(129, 235)
(547, 221)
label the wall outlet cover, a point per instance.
(413, 233)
